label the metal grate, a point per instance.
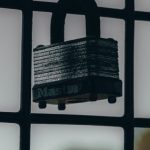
(25, 118)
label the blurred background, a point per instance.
(76, 137)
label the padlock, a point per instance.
(79, 70)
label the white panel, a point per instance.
(113, 28)
(10, 59)
(74, 27)
(41, 28)
(111, 3)
(9, 136)
(141, 138)
(67, 137)
(142, 5)
(142, 70)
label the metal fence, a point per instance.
(25, 118)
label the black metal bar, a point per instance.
(142, 122)
(9, 117)
(15, 4)
(26, 75)
(76, 119)
(129, 5)
(51, 7)
(26, 59)
(25, 136)
(44, 6)
(129, 137)
(113, 13)
(129, 67)
(144, 16)
(129, 75)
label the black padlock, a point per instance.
(79, 70)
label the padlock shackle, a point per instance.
(89, 7)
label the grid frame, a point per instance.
(25, 118)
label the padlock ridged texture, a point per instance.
(76, 58)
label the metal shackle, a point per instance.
(89, 9)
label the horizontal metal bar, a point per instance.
(17, 117)
(142, 122)
(44, 6)
(50, 7)
(113, 13)
(144, 16)
(103, 12)
(13, 4)
(20, 118)
(60, 119)
(76, 119)
(9, 117)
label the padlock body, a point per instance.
(76, 70)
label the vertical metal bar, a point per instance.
(24, 114)
(129, 5)
(129, 137)
(25, 136)
(129, 75)
(26, 75)
(26, 58)
(129, 65)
